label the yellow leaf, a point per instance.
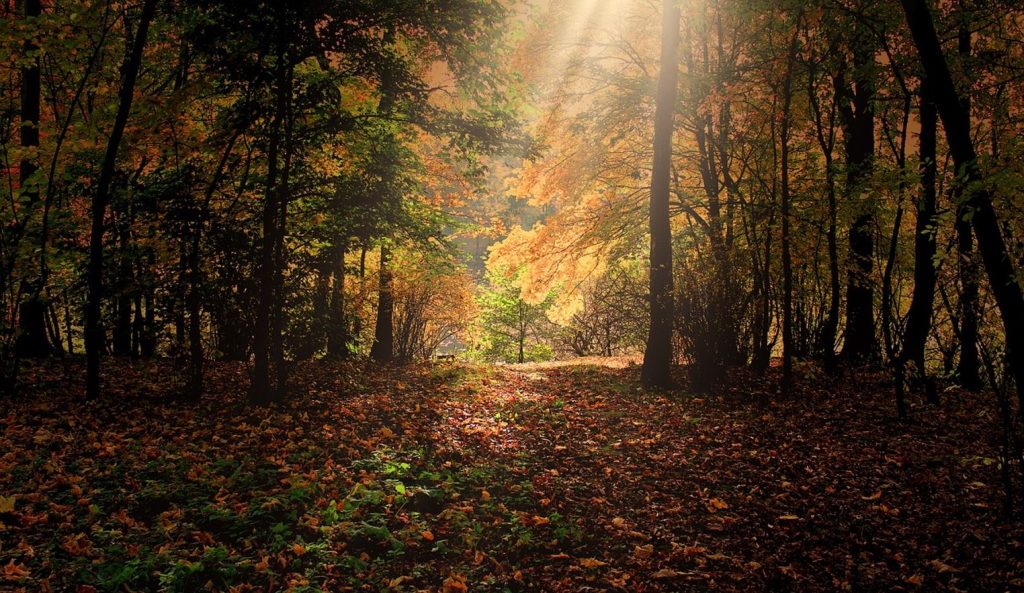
(718, 504)
(485, 495)
(591, 562)
(7, 504)
(387, 432)
(643, 552)
(395, 582)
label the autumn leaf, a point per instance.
(456, 583)
(591, 563)
(941, 566)
(427, 535)
(666, 573)
(7, 504)
(15, 572)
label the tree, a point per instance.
(514, 330)
(977, 197)
(32, 337)
(656, 370)
(94, 334)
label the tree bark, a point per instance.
(262, 391)
(383, 349)
(978, 197)
(919, 318)
(656, 370)
(94, 333)
(860, 342)
(968, 371)
(32, 339)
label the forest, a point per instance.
(511, 295)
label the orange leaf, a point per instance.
(15, 572)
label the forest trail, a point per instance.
(491, 478)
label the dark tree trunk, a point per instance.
(860, 342)
(919, 318)
(826, 339)
(147, 340)
(656, 371)
(968, 371)
(262, 391)
(383, 349)
(956, 122)
(32, 338)
(94, 333)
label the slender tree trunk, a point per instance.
(383, 349)
(262, 391)
(94, 333)
(147, 341)
(919, 318)
(956, 122)
(656, 371)
(826, 339)
(122, 332)
(968, 370)
(32, 339)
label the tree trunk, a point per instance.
(383, 349)
(956, 122)
(262, 392)
(968, 371)
(94, 333)
(656, 371)
(32, 339)
(860, 342)
(919, 318)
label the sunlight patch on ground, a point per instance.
(610, 362)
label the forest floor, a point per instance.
(470, 478)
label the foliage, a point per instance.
(513, 329)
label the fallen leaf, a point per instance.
(591, 563)
(456, 583)
(15, 572)
(666, 573)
